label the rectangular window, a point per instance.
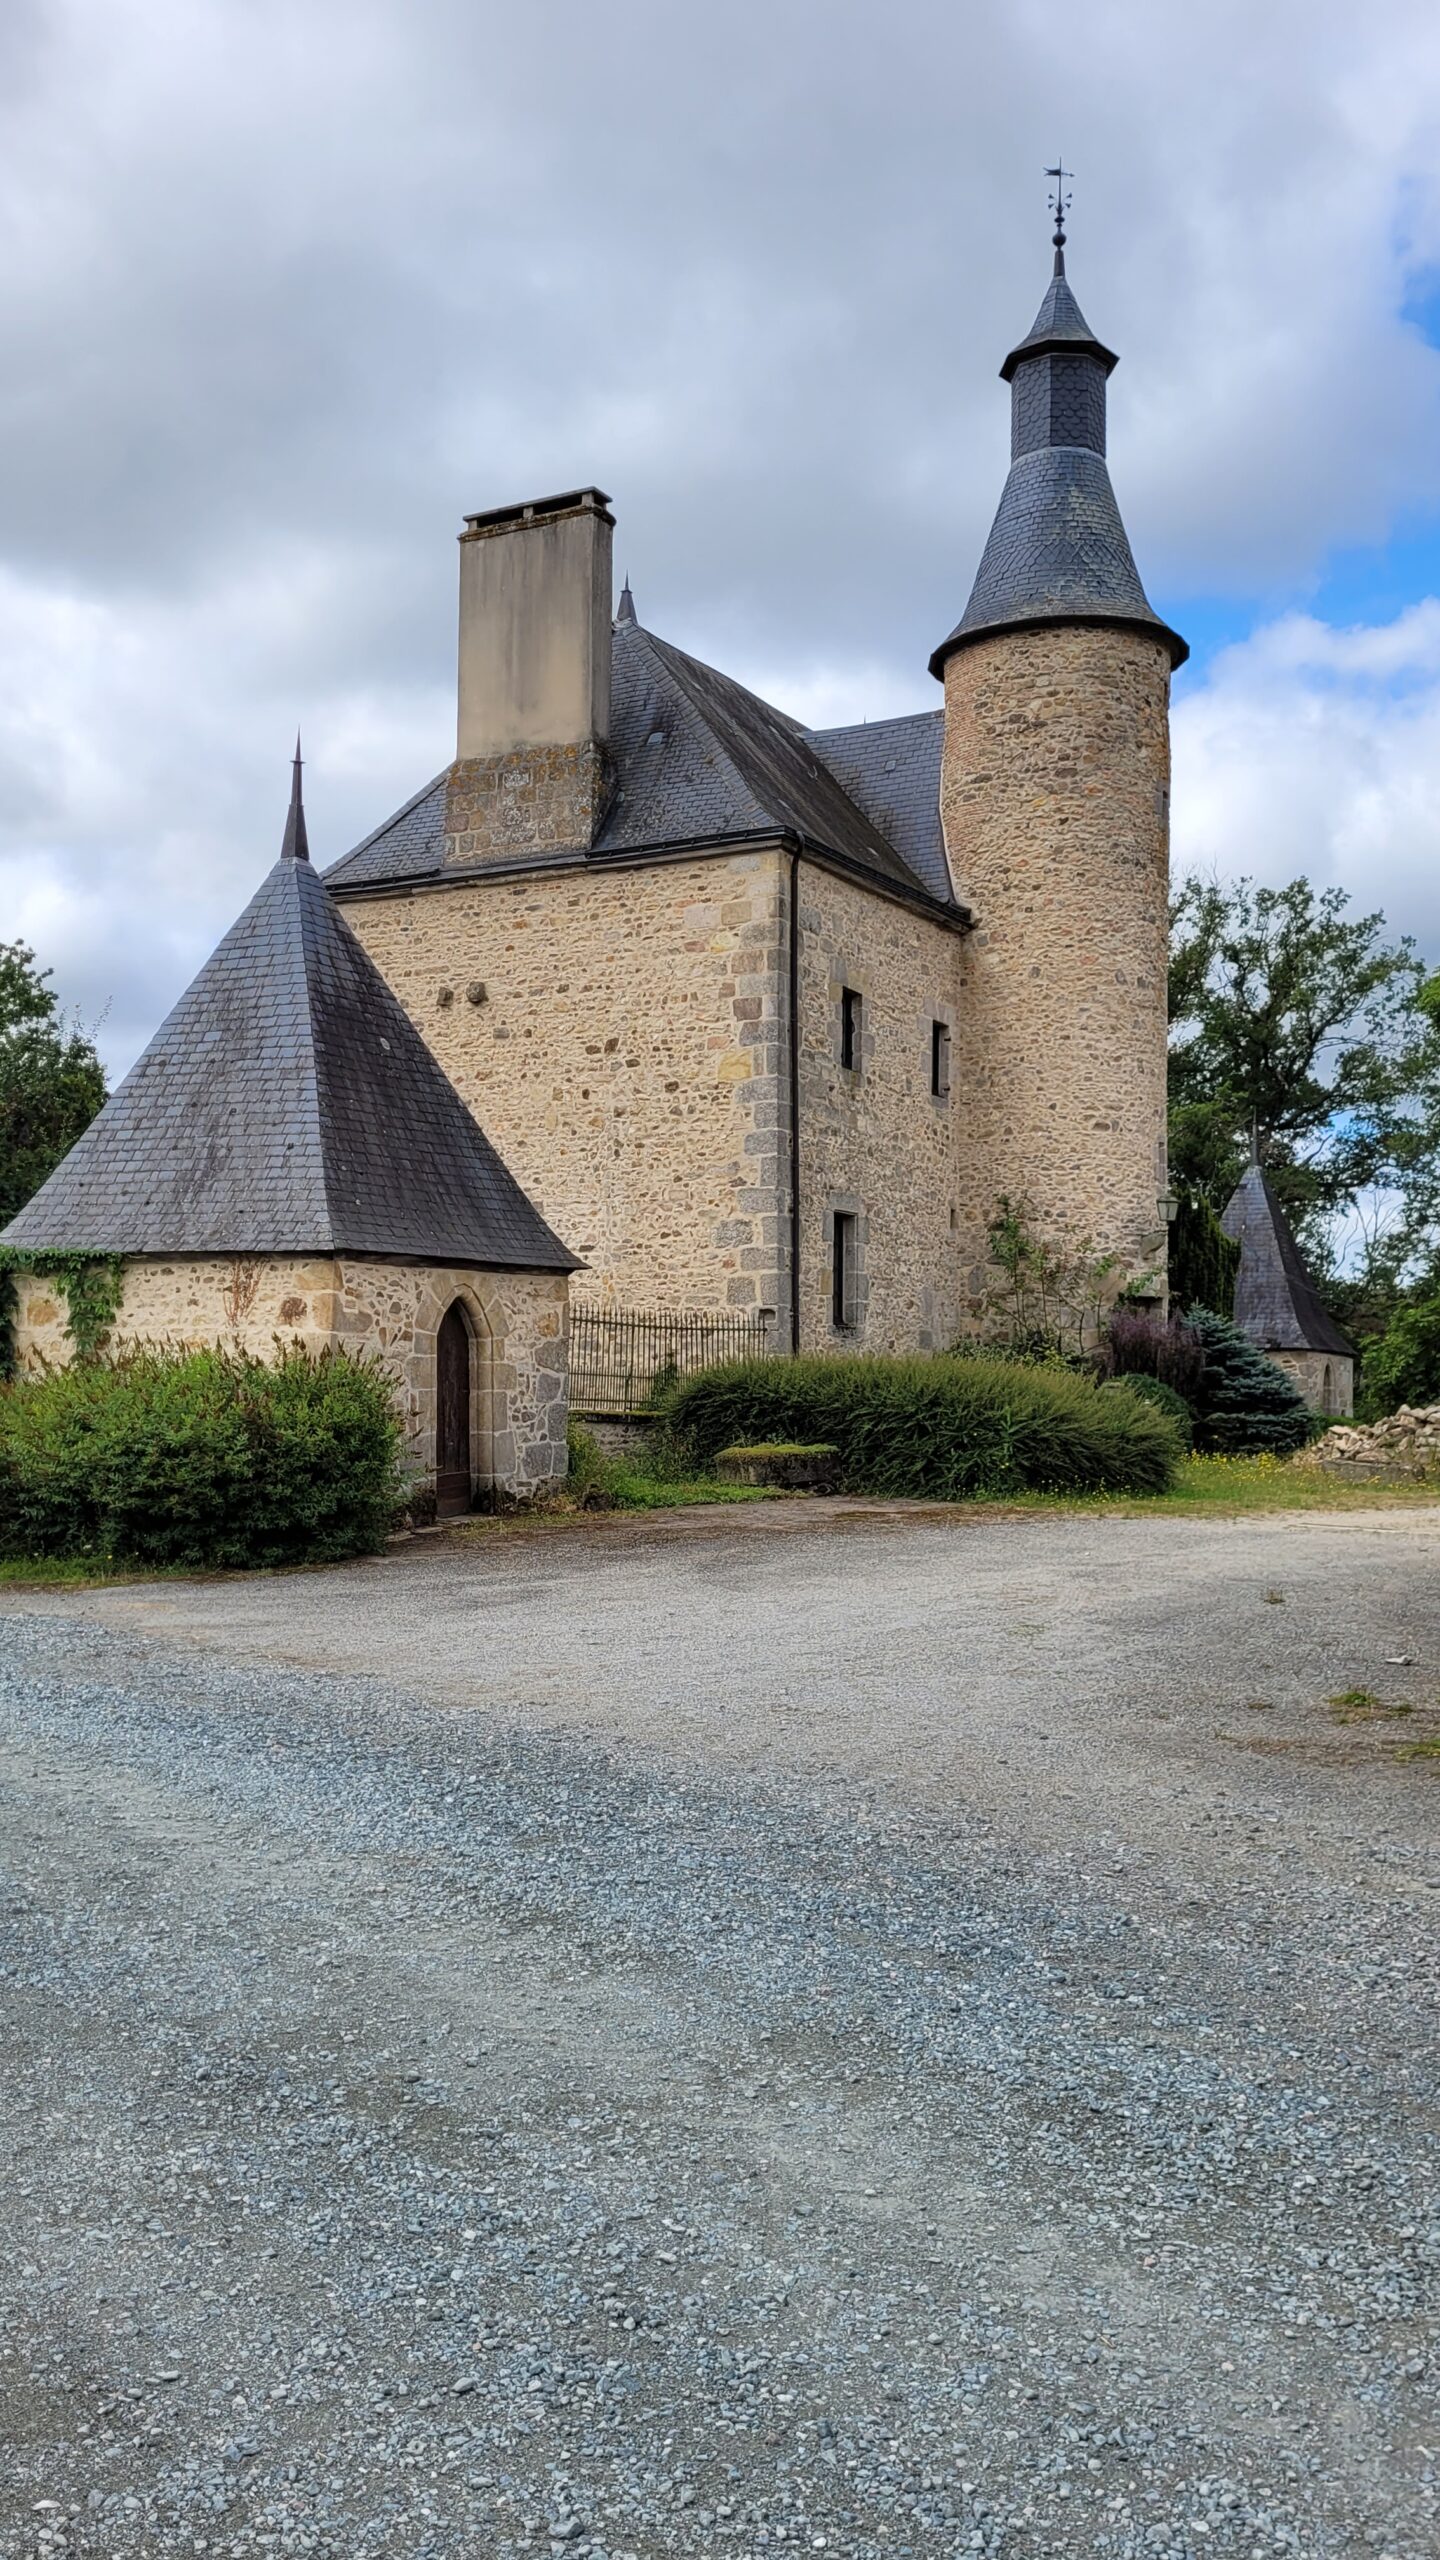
(850, 1027)
(939, 1059)
(842, 1272)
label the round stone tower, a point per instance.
(1055, 802)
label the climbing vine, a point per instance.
(91, 1284)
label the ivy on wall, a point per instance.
(91, 1284)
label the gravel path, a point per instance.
(727, 2042)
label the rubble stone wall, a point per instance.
(1055, 797)
(874, 1141)
(617, 1035)
(519, 1325)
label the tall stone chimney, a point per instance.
(532, 764)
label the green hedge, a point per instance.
(947, 1428)
(1157, 1392)
(200, 1458)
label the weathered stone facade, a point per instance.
(531, 800)
(518, 1326)
(1326, 1379)
(630, 1059)
(1055, 799)
(875, 1143)
(625, 1059)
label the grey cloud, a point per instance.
(284, 291)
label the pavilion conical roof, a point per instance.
(289, 1105)
(1276, 1301)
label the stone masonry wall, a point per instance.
(531, 800)
(1055, 795)
(1325, 1379)
(518, 1320)
(617, 1034)
(874, 1141)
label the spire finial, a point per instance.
(296, 847)
(1060, 206)
(625, 610)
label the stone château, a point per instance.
(766, 1018)
(737, 1016)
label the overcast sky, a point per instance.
(287, 286)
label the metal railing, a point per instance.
(617, 1358)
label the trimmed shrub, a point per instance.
(944, 1428)
(201, 1458)
(1245, 1404)
(1165, 1399)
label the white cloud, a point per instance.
(284, 291)
(1316, 750)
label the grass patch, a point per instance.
(1225, 1486)
(1427, 1748)
(657, 1477)
(1362, 1706)
(51, 1573)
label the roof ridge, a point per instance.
(792, 740)
(667, 654)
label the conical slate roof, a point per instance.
(1059, 322)
(289, 1105)
(1058, 551)
(1276, 1301)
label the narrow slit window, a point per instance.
(940, 1059)
(850, 1027)
(842, 1272)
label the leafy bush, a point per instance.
(200, 1458)
(1245, 1403)
(1165, 1399)
(1144, 1346)
(943, 1428)
(1403, 1367)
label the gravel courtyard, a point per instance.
(805, 2032)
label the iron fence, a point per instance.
(616, 1359)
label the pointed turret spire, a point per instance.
(1057, 550)
(625, 610)
(296, 847)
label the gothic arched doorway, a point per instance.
(454, 1466)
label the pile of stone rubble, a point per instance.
(1407, 1442)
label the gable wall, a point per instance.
(625, 1060)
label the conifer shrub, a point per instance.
(200, 1458)
(945, 1428)
(1245, 1405)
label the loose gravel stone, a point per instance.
(429, 2135)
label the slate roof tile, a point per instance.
(1276, 1301)
(699, 758)
(289, 1105)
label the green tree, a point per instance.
(1298, 1022)
(51, 1081)
(1403, 1366)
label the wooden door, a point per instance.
(453, 1479)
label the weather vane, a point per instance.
(1060, 200)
